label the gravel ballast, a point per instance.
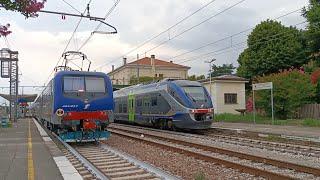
(175, 163)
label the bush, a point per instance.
(292, 89)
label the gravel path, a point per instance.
(175, 163)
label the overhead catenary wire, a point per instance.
(230, 47)
(99, 25)
(71, 6)
(220, 40)
(231, 36)
(72, 35)
(168, 29)
(192, 27)
(183, 32)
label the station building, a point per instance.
(227, 93)
(147, 67)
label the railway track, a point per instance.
(269, 145)
(260, 166)
(293, 149)
(99, 161)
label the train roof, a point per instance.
(142, 88)
(61, 73)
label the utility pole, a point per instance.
(138, 73)
(210, 72)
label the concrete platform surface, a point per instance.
(16, 163)
(307, 132)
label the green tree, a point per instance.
(195, 78)
(272, 47)
(312, 14)
(222, 70)
(28, 8)
(142, 79)
(292, 89)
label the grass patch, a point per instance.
(311, 122)
(200, 176)
(248, 118)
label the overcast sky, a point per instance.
(40, 41)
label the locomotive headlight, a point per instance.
(60, 112)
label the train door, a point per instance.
(131, 107)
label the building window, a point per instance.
(230, 98)
(160, 75)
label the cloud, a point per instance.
(40, 41)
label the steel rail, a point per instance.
(205, 157)
(278, 163)
(143, 165)
(87, 164)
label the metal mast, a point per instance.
(9, 69)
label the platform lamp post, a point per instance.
(210, 72)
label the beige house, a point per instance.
(147, 66)
(227, 93)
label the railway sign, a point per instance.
(261, 86)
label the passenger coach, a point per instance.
(167, 104)
(77, 105)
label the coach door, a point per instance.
(131, 107)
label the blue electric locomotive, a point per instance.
(77, 105)
(167, 104)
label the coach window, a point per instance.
(124, 108)
(154, 101)
(139, 102)
(120, 108)
(146, 101)
(230, 98)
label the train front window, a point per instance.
(196, 93)
(95, 84)
(73, 84)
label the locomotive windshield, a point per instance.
(83, 84)
(95, 84)
(196, 93)
(73, 84)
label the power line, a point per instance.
(99, 25)
(74, 31)
(192, 27)
(71, 6)
(168, 29)
(231, 36)
(229, 47)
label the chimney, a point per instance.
(124, 61)
(112, 68)
(153, 65)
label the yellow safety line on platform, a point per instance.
(30, 158)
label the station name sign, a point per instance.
(261, 86)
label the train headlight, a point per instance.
(60, 112)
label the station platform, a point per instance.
(26, 152)
(289, 132)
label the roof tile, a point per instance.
(158, 62)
